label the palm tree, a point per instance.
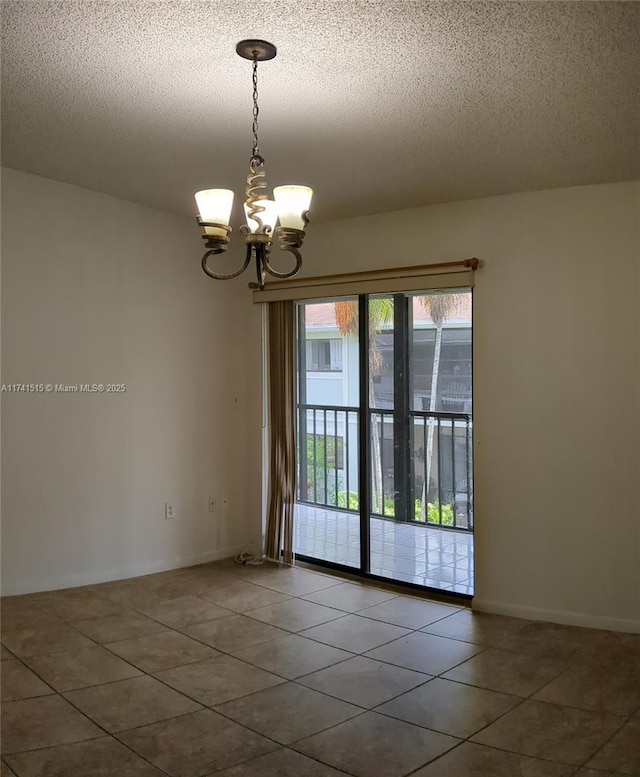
(439, 307)
(380, 315)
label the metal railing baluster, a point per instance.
(324, 448)
(439, 473)
(315, 459)
(346, 454)
(453, 471)
(424, 469)
(335, 456)
(440, 419)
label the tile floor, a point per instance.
(408, 553)
(272, 672)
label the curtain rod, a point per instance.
(391, 272)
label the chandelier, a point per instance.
(290, 204)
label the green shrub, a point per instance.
(351, 501)
(433, 513)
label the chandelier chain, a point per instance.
(256, 151)
(260, 230)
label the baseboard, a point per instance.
(563, 617)
(119, 573)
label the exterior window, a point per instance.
(324, 355)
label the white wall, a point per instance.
(97, 290)
(100, 290)
(557, 392)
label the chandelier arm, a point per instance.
(221, 276)
(261, 252)
(275, 273)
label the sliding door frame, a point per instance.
(403, 489)
(364, 454)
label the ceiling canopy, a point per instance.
(376, 105)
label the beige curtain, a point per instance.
(282, 442)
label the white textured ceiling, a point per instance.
(377, 105)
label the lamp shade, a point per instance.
(292, 202)
(269, 216)
(214, 206)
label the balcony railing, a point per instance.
(438, 484)
(446, 465)
(327, 454)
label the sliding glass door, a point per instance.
(328, 429)
(385, 482)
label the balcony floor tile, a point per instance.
(407, 553)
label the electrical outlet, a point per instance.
(169, 510)
(213, 505)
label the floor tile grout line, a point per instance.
(82, 741)
(417, 631)
(38, 676)
(260, 668)
(294, 680)
(230, 655)
(522, 700)
(529, 698)
(414, 629)
(364, 709)
(178, 630)
(262, 642)
(127, 606)
(281, 747)
(567, 667)
(475, 733)
(353, 655)
(45, 747)
(361, 653)
(271, 739)
(70, 690)
(357, 613)
(606, 742)
(343, 613)
(500, 750)
(330, 620)
(114, 736)
(328, 728)
(143, 672)
(327, 763)
(356, 704)
(96, 642)
(522, 649)
(437, 758)
(203, 706)
(440, 677)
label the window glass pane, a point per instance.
(441, 342)
(327, 520)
